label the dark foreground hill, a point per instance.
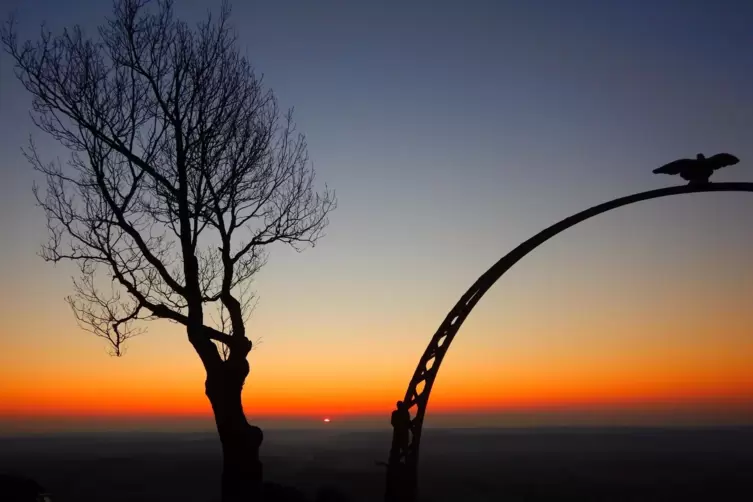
(456, 465)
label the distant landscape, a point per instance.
(621, 464)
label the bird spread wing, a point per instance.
(674, 167)
(722, 160)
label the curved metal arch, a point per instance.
(402, 469)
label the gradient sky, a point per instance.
(451, 131)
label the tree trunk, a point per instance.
(241, 469)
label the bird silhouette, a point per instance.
(700, 169)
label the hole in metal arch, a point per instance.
(430, 364)
(420, 387)
(441, 341)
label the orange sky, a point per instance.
(548, 364)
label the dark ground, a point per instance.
(458, 465)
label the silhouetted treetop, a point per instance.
(182, 169)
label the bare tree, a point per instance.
(182, 171)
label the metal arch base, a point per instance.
(402, 473)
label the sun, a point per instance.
(327, 420)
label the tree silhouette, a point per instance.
(182, 171)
